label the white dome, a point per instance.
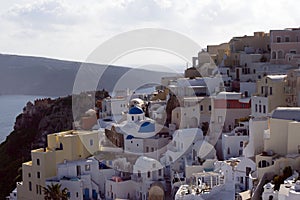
(145, 164)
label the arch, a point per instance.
(263, 163)
(280, 54)
(193, 122)
(273, 55)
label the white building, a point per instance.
(233, 143)
(82, 178)
(255, 146)
(237, 170)
(204, 186)
(289, 190)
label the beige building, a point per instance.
(270, 94)
(219, 53)
(281, 142)
(259, 43)
(292, 88)
(63, 146)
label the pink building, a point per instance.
(285, 46)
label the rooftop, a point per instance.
(286, 113)
(277, 77)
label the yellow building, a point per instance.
(63, 146)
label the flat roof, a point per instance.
(286, 113)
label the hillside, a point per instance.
(38, 119)
(51, 77)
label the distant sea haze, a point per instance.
(10, 107)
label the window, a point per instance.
(40, 189)
(139, 173)
(29, 175)
(177, 115)
(278, 39)
(76, 194)
(201, 107)
(38, 175)
(38, 161)
(152, 149)
(148, 174)
(255, 107)
(248, 170)
(87, 167)
(293, 51)
(132, 118)
(264, 108)
(271, 90)
(37, 189)
(30, 186)
(159, 172)
(137, 145)
(241, 143)
(287, 39)
(263, 163)
(260, 108)
(91, 142)
(262, 90)
(241, 180)
(147, 149)
(209, 107)
(228, 150)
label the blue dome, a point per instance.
(147, 127)
(135, 111)
(129, 137)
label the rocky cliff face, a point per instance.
(38, 119)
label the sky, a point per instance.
(73, 29)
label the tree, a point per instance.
(54, 192)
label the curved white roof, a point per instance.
(145, 164)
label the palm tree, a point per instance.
(54, 192)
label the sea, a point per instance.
(10, 107)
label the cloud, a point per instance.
(76, 27)
(43, 15)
